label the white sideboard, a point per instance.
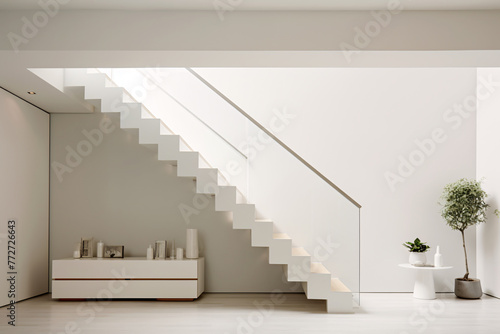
(131, 277)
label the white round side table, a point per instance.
(424, 281)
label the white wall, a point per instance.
(24, 194)
(488, 166)
(353, 125)
(280, 39)
(121, 194)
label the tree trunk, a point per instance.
(466, 276)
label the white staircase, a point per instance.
(317, 281)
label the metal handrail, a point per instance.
(270, 134)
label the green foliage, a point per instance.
(464, 204)
(417, 246)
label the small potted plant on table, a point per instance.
(465, 205)
(417, 252)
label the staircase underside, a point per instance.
(316, 280)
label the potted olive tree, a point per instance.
(465, 205)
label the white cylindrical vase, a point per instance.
(192, 243)
(180, 254)
(100, 249)
(172, 249)
(149, 253)
(76, 251)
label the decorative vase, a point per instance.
(192, 244)
(76, 251)
(100, 249)
(438, 260)
(468, 289)
(149, 253)
(172, 249)
(418, 258)
(179, 254)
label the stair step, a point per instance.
(110, 98)
(206, 181)
(340, 299)
(299, 251)
(188, 164)
(299, 266)
(262, 233)
(280, 249)
(80, 77)
(225, 200)
(243, 216)
(318, 282)
(77, 92)
(168, 148)
(281, 236)
(319, 268)
(130, 115)
(149, 131)
(338, 286)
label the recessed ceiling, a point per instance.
(255, 4)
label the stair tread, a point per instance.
(189, 153)
(281, 236)
(248, 205)
(229, 187)
(208, 169)
(205, 169)
(318, 268)
(299, 251)
(263, 221)
(338, 286)
(151, 120)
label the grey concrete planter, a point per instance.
(468, 289)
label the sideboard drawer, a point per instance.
(95, 278)
(110, 289)
(124, 268)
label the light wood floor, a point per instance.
(384, 313)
